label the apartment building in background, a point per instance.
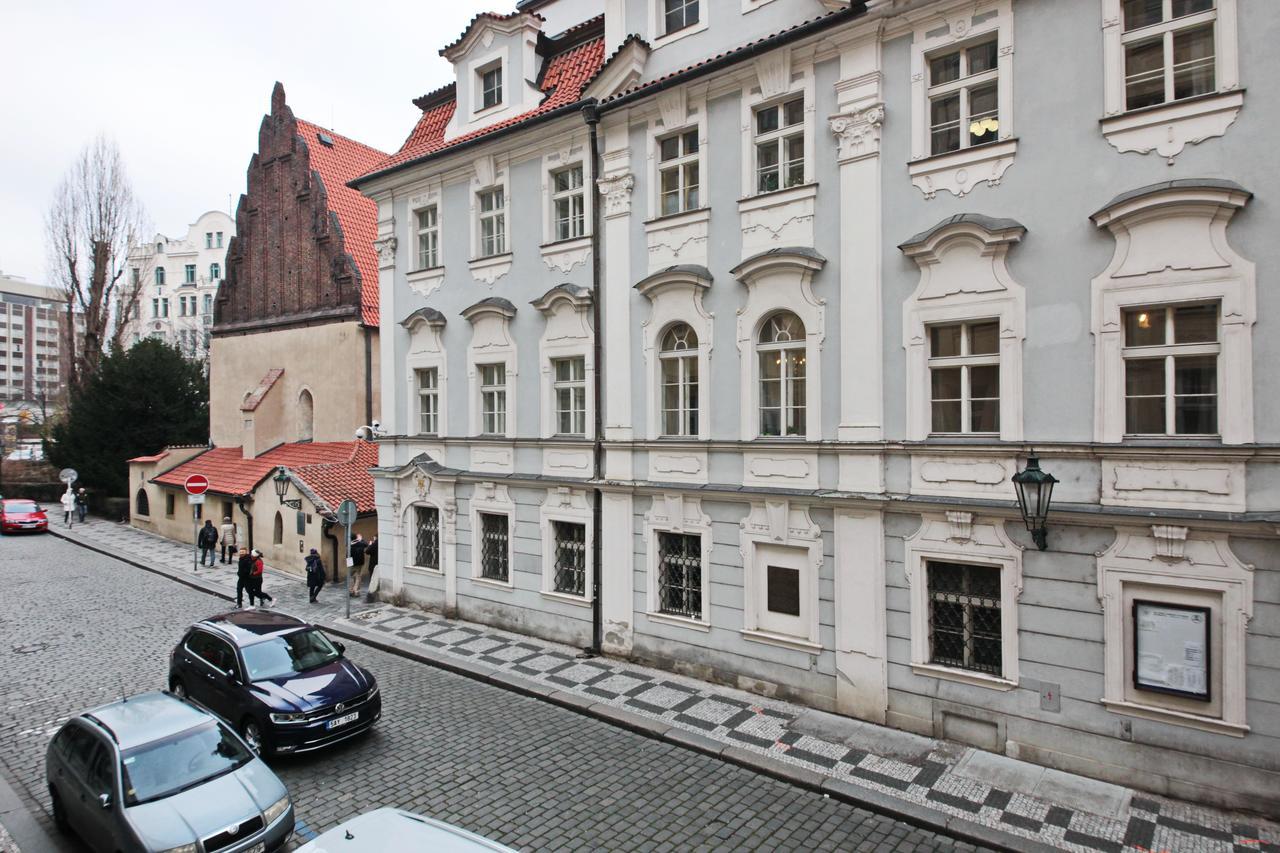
(35, 355)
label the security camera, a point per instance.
(377, 427)
(362, 433)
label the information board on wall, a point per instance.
(1171, 649)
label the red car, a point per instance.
(18, 515)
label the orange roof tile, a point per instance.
(153, 458)
(254, 400)
(334, 482)
(230, 473)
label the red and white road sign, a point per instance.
(196, 484)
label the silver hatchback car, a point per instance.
(156, 773)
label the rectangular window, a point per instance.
(963, 98)
(494, 547)
(219, 241)
(155, 308)
(569, 385)
(164, 306)
(570, 568)
(207, 305)
(780, 146)
(964, 375)
(679, 393)
(678, 14)
(964, 617)
(208, 239)
(426, 543)
(215, 271)
(189, 274)
(1171, 370)
(680, 574)
(493, 399)
(428, 401)
(1169, 50)
(428, 238)
(135, 276)
(568, 203)
(783, 590)
(493, 222)
(491, 87)
(160, 276)
(678, 172)
(168, 504)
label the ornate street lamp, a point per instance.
(281, 481)
(1035, 491)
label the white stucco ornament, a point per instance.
(616, 190)
(386, 251)
(858, 131)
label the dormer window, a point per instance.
(678, 14)
(491, 86)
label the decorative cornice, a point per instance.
(430, 316)
(491, 305)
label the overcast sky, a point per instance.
(182, 88)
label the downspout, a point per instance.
(591, 115)
(368, 375)
(240, 502)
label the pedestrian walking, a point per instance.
(256, 577)
(82, 504)
(371, 560)
(230, 540)
(244, 577)
(68, 506)
(357, 549)
(207, 539)
(315, 574)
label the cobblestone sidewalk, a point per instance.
(934, 782)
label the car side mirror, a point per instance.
(104, 800)
(342, 650)
(232, 677)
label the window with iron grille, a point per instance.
(964, 617)
(426, 546)
(680, 574)
(494, 547)
(570, 568)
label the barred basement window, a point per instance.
(426, 550)
(964, 617)
(571, 558)
(494, 542)
(680, 574)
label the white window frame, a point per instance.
(676, 297)
(962, 87)
(215, 271)
(189, 273)
(787, 382)
(425, 393)
(412, 543)
(658, 25)
(777, 532)
(426, 352)
(208, 239)
(568, 196)
(779, 137)
(565, 505)
(961, 537)
(957, 26)
(1167, 30)
(497, 215)
(562, 256)
(673, 512)
(571, 385)
(492, 499)
(566, 334)
(965, 361)
(493, 397)
(680, 164)
(686, 362)
(482, 87)
(431, 234)
(1168, 353)
(491, 343)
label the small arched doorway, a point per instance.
(141, 503)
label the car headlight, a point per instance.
(288, 718)
(374, 691)
(276, 809)
(186, 848)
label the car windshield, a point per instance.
(21, 506)
(181, 761)
(297, 652)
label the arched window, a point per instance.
(781, 351)
(306, 416)
(141, 503)
(277, 531)
(678, 360)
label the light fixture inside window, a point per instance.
(982, 127)
(1144, 320)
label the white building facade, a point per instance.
(849, 265)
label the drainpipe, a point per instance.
(368, 376)
(240, 502)
(591, 115)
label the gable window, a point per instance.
(678, 172)
(1169, 50)
(215, 271)
(964, 108)
(781, 352)
(680, 574)
(208, 239)
(1171, 370)
(780, 145)
(965, 623)
(160, 276)
(493, 222)
(426, 545)
(964, 377)
(189, 274)
(570, 569)
(493, 398)
(568, 203)
(491, 86)
(428, 400)
(570, 388)
(678, 14)
(428, 237)
(494, 547)
(678, 357)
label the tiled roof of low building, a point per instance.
(335, 482)
(230, 473)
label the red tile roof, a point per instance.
(338, 163)
(567, 75)
(230, 473)
(153, 458)
(334, 482)
(254, 400)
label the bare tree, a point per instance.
(91, 226)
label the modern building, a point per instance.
(293, 352)
(35, 353)
(176, 281)
(718, 331)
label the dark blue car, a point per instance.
(279, 681)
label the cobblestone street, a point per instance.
(79, 628)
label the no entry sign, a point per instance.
(196, 484)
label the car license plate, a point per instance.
(342, 721)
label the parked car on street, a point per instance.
(154, 772)
(392, 829)
(279, 681)
(22, 516)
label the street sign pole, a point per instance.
(347, 512)
(196, 485)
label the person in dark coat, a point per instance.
(256, 576)
(357, 551)
(315, 574)
(82, 504)
(244, 578)
(208, 541)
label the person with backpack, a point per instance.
(256, 576)
(244, 577)
(356, 553)
(207, 539)
(315, 574)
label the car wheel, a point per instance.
(252, 734)
(59, 813)
(177, 688)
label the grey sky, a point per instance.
(182, 88)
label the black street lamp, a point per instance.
(1035, 490)
(281, 481)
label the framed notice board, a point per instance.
(1171, 649)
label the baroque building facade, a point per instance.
(713, 333)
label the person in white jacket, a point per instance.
(68, 506)
(230, 540)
